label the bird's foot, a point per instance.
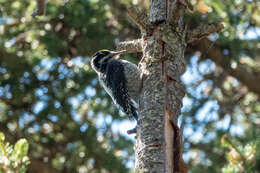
(132, 131)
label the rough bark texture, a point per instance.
(160, 105)
(157, 11)
(163, 42)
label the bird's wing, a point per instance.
(117, 82)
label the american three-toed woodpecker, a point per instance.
(120, 79)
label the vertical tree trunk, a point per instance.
(161, 97)
(163, 42)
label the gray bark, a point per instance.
(161, 100)
(163, 42)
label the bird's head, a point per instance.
(102, 57)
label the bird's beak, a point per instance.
(114, 53)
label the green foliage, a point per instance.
(49, 93)
(13, 158)
(241, 158)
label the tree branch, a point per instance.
(40, 10)
(131, 46)
(203, 31)
(140, 18)
(176, 10)
(241, 73)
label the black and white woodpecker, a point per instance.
(120, 79)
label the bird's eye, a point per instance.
(101, 53)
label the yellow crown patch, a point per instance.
(105, 50)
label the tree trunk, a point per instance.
(161, 96)
(163, 42)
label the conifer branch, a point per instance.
(176, 10)
(203, 31)
(131, 46)
(140, 18)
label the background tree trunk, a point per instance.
(163, 42)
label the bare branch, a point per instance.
(131, 46)
(203, 31)
(176, 10)
(40, 10)
(186, 4)
(139, 18)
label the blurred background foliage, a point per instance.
(13, 158)
(50, 95)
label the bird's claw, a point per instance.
(132, 131)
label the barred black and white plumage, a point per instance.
(120, 79)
